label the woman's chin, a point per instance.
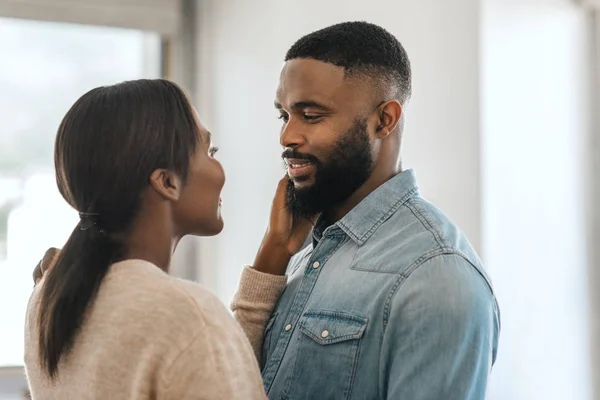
(215, 228)
(207, 227)
(219, 228)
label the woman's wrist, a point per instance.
(272, 258)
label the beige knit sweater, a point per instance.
(148, 336)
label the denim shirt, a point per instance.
(390, 302)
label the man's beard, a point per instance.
(337, 178)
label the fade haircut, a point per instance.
(364, 50)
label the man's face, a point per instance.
(325, 135)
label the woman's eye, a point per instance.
(283, 117)
(213, 150)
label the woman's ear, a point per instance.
(166, 183)
(389, 114)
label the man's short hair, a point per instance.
(363, 50)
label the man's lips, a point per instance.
(297, 167)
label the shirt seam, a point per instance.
(426, 223)
(441, 243)
(420, 261)
(393, 208)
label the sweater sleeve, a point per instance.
(254, 302)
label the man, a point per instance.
(389, 301)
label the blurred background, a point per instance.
(503, 131)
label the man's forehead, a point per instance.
(306, 70)
(303, 79)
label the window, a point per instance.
(45, 67)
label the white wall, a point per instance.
(241, 48)
(534, 109)
(593, 208)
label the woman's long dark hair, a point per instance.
(107, 146)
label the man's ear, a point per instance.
(389, 115)
(166, 183)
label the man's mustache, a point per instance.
(293, 154)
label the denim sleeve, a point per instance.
(441, 334)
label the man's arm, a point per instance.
(254, 302)
(441, 333)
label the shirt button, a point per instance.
(316, 264)
(288, 327)
(324, 334)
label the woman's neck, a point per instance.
(151, 239)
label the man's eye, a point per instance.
(213, 150)
(283, 117)
(311, 117)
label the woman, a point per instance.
(107, 321)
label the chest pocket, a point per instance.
(326, 353)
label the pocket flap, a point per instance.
(328, 327)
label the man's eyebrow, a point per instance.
(301, 105)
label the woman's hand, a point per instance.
(45, 264)
(285, 230)
(284, 237)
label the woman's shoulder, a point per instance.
(141, 285)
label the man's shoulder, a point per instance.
(445, 292)
(445, 281)
(423, 245)
(417, 231)
(423, 221)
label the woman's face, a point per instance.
(198, 210)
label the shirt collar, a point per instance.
(364, 219)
